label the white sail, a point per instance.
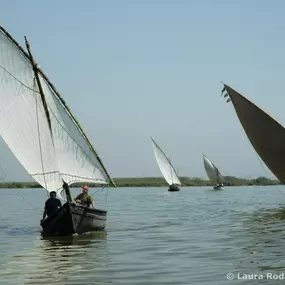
(165, 165)
(212, 171)
(77, 161)
(52, 152)
(23, 123)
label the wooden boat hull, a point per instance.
(74, 219)
(218, 187)
(173, 188)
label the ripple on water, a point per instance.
(153, 237)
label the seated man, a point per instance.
(84, 198)
(51, 205)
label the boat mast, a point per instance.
(218, 172)
(34, 65)
(35, 68)
(38, 69)
(218, 176)
(171, 171)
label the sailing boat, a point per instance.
(213, 173)
(166, 168)
(46, 138)
(265, 134)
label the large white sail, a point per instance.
(165, 165)
(23, 123)
(50, 150)
(212, 171)
(77, 161)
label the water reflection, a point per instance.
(196, 238)
(84, 239)
(60, 260)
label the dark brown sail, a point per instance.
(266, 135)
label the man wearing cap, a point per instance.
(84, 198)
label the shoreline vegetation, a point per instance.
(158, 182)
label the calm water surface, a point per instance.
(153, 236)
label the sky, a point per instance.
(131, 70)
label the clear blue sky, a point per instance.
(134, 69)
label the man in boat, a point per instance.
(84, 198)
(51, 205)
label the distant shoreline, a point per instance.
(158, 182)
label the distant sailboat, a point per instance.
(166, 168)
(266, 135)
(46, 138)
(213, 173)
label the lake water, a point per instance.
(195, 236)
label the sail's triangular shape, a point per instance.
(212, 171)
(165, 165)
(39, 128)
(77, 161)
(266, 135)
(23, 124)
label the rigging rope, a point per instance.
(266, 172)
(4, 174)
(106, 197)
(33, 207)
(101, 189)
(39, 135)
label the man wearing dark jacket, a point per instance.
(51, 205)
